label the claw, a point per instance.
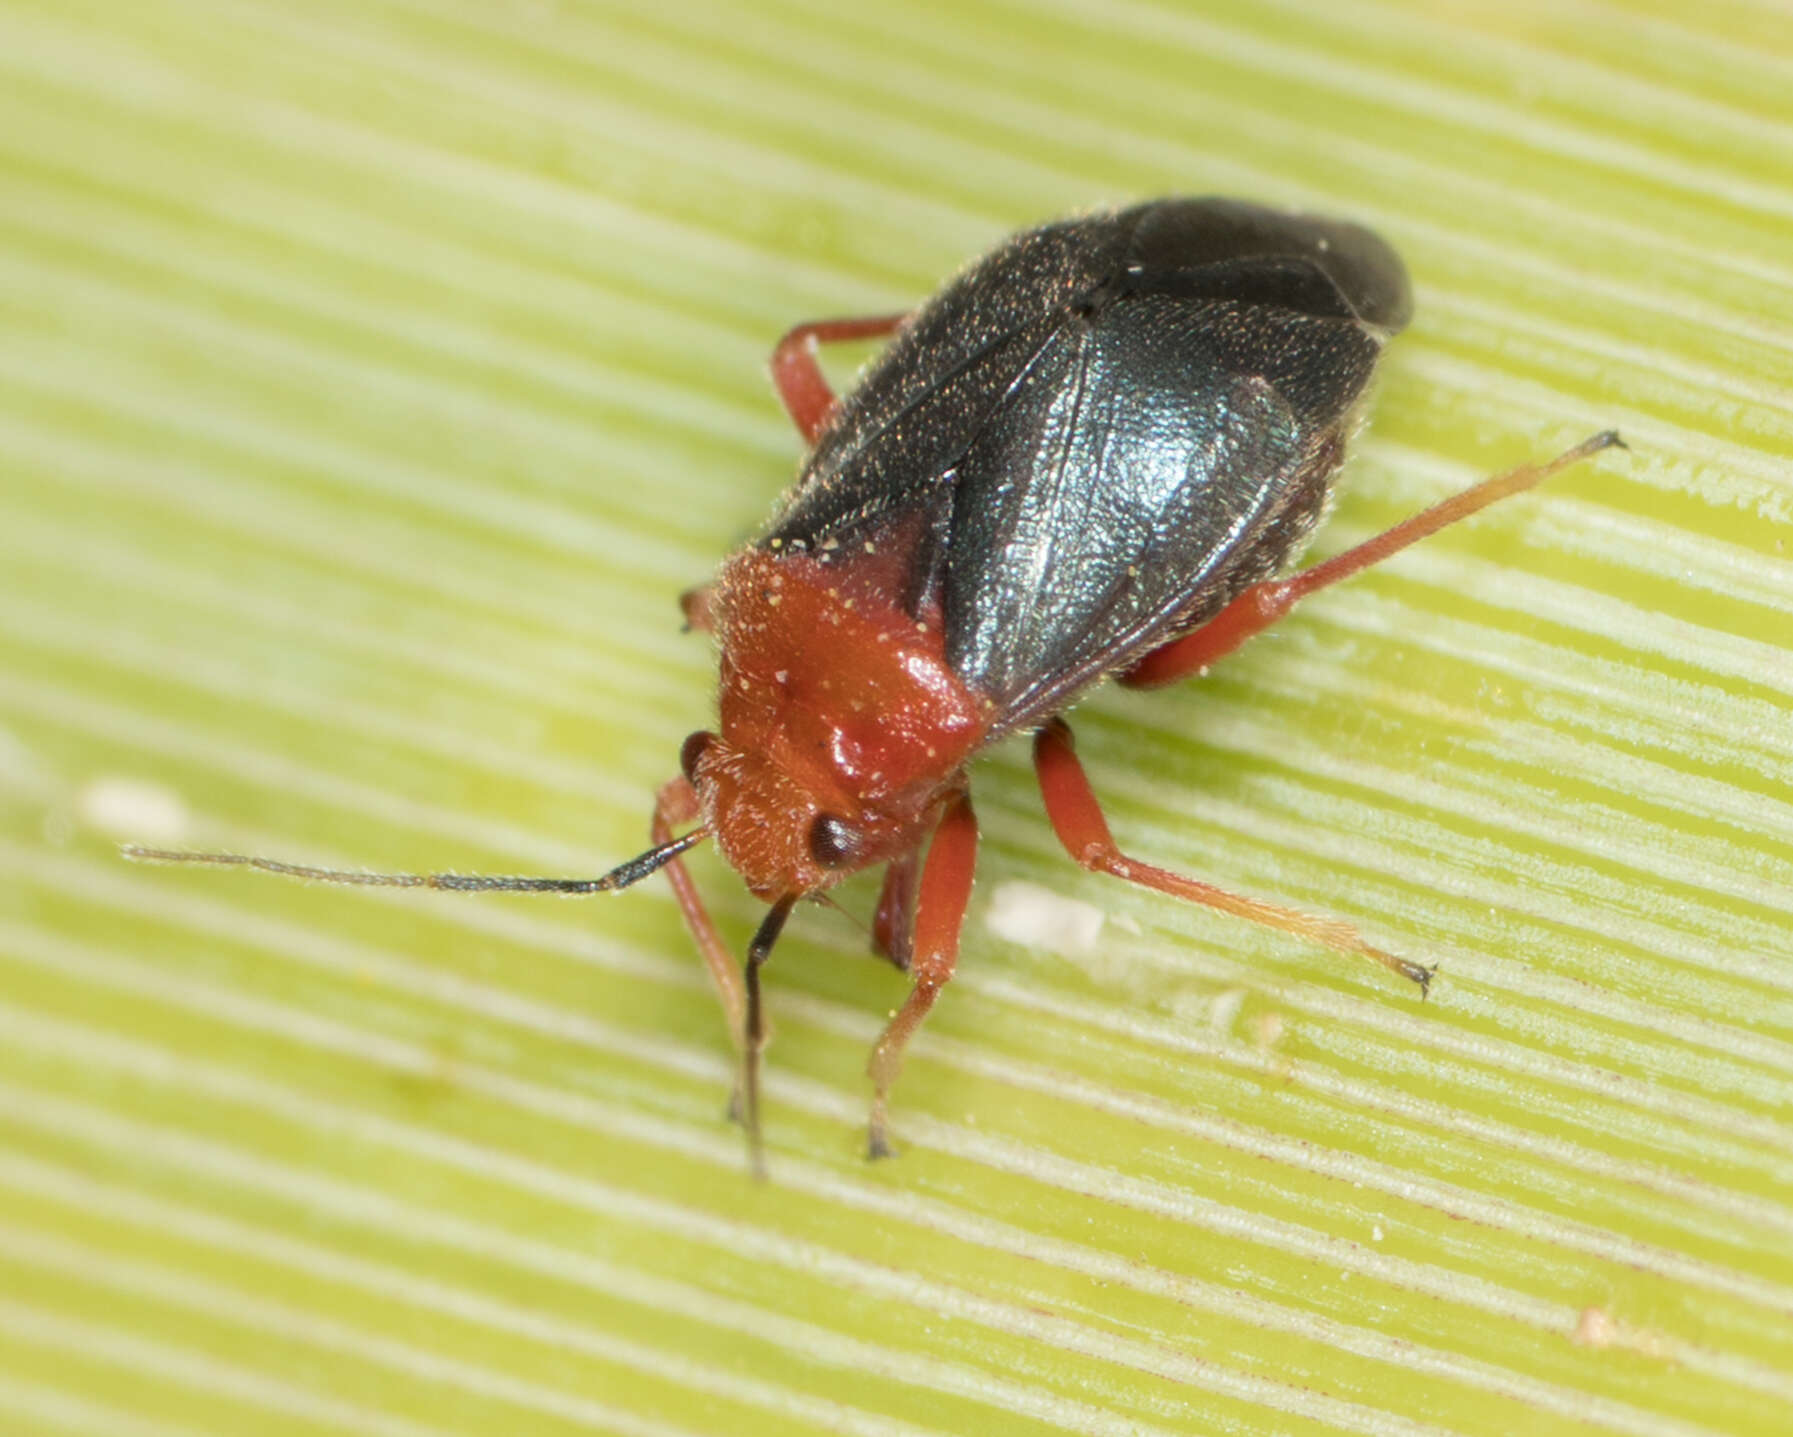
(1418, 973)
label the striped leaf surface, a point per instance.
(375, 375)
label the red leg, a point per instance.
(800, 381)
(1263, 604)
(1076, 817)
(699, 608)
(893, 926)
(677, 803)
(939, 914)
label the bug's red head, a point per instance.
(841, 727)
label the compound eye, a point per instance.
(692, 751)
(833, 842)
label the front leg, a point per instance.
(699, 608)
(939, 915)
(677, 803)
(893, 922)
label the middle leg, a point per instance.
(802, 386)
(1076, 817)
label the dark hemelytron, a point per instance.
(1102, 431)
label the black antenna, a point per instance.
(621, 876)
(757, 953)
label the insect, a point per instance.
(1092, 454)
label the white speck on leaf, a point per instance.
(1224, 1007)
(1035, 917)
(134, 809)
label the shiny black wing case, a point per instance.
(1101, 432)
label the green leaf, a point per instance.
(375, 377)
